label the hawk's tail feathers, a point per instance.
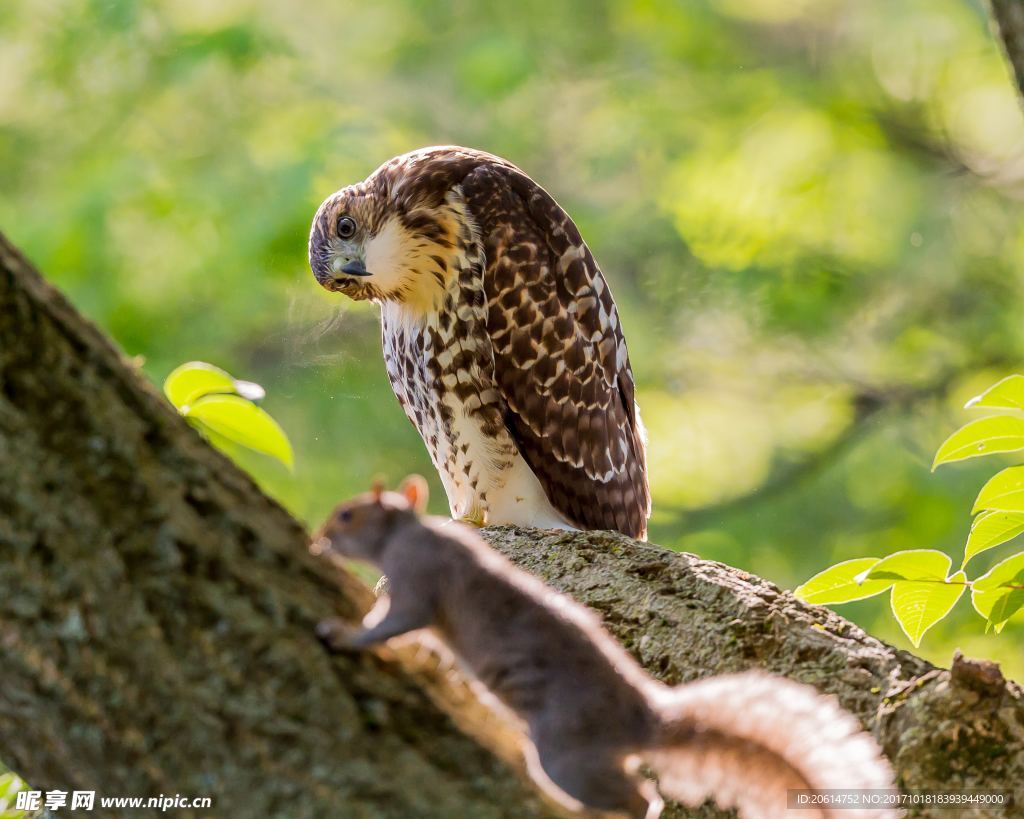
(746, 739)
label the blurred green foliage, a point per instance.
(810, 212)
(10, 785)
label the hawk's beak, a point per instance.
(355, 268)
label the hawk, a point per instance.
(501, 338)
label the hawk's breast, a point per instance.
(441, 369)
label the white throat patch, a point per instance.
(388, 255)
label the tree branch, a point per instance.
(868, 405)
(157, 616)
(686, 618)
(785, 475)
(1008, 20)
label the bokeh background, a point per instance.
(810, 212)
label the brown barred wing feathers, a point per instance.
(560, 356)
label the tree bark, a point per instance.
(157, 614)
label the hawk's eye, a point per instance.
(346, 227)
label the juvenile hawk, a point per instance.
(500, 335)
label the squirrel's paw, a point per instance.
(336, 634)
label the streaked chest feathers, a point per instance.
(441, 368)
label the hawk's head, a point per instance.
(395, 236)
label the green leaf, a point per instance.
(999, 593)
(985, 436)
(1004, 492)
(1007, 394)
(10, 784)
(997, 605)
(242, 422)
(991, 529)
(919, 605)
(190, 382)
(912, 564)
(1009, 572)
(838, 584)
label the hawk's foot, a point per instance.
(475, 517)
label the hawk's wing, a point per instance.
(559, 354)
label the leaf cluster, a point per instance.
(224, 410)
(922, 588)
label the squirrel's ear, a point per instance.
(377, 490)
(415, 490)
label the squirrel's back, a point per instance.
(743, 740)
(538, 650)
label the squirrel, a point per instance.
(594, 717)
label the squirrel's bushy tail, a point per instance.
(746, 739)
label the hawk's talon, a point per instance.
(475, 518)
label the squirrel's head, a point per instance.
(359, 528)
